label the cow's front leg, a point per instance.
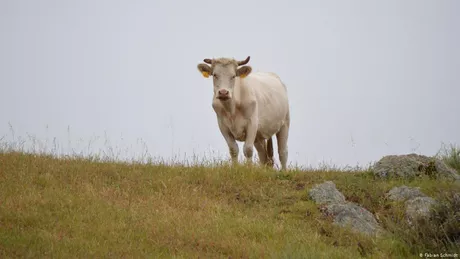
(251, 132)
(231, 142)
(233, 148)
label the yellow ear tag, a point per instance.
(243, 75)
(205, 74)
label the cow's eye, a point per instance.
(233, 77)
(215, 76)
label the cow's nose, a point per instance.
(223, 92)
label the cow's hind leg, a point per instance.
(282, 138)
(251, 134)
(259, 144)
(269, 148)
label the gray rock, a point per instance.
(417, 204)
(345, 214)
(352, 215)
(412, 165)
(419, 207)
(404, 193)
(326, 193)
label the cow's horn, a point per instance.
(244, 62)
(207, 60)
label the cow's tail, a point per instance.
(270, 151)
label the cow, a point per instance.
(251, 107)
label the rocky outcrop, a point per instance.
(350, 214)
(413, 165)
(344, 213)
(417, 204)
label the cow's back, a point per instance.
(272, 101)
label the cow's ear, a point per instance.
(243, 71)
(204, 69)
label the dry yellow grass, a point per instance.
(70, 207)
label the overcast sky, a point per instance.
(365, 78)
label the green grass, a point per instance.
(89, 208)
(451, 156)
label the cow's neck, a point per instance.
(229, 106)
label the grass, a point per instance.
(86, 207)
(451, 156)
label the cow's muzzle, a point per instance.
(223, 95)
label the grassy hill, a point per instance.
(76, 207)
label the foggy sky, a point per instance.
(364, 78)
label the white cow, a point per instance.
(250, 107)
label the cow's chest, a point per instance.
(237, 125)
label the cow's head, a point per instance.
(224, 72)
